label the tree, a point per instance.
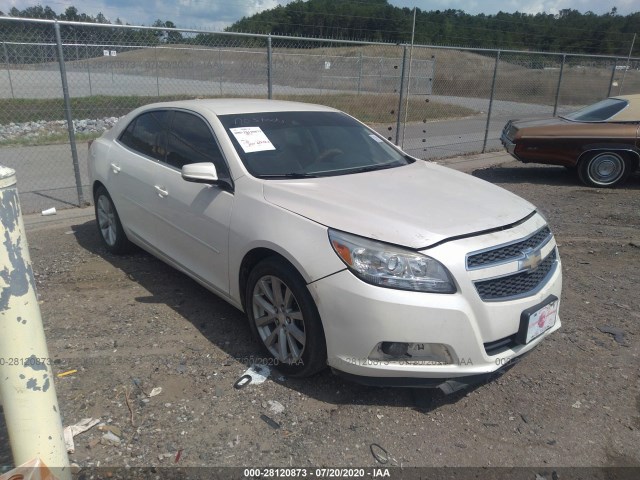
(172, 36)
(70, 14)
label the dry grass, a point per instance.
(522, 78)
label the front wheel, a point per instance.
(111, 231)
(604, 169)
(284, 317)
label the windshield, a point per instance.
(308, 144)
(598, 112)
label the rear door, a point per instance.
(134, 163)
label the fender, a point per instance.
(616, 147)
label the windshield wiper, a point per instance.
(371, 168)
(288, 175)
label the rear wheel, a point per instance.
(284, 317)
(604, 169)
(111, 232)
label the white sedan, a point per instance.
(341, 249)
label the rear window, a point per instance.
(598, 112)
(145, 134)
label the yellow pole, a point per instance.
(26, 380)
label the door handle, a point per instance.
(161, 191)
(115, 168)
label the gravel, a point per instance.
(573, 401)
(42, 129)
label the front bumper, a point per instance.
(509, 146)
(358, 316)
(446, 385)
(507, 143)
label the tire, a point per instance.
(109, 227)
(284, 318)
(604, 169)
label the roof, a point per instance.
(225, 106)
(631, 113)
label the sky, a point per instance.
(217, 14)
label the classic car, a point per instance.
(599, 141)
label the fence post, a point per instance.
(360, 74)
(493, 92)
(401, 96)
(626, 67)
(69, 116)
(269, 69)
(555, 105)
(155, 51)
(26, 385)
(6, 61)
(88, 57)
(220, 68)
(613, 75)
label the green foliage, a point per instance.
(569, 31)
(82, 34)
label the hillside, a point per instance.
(570, 31)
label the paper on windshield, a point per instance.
(252, 139)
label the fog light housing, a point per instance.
(413, 353)
(394, 349)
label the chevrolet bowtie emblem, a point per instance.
(531, 260)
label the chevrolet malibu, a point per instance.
(341, 250)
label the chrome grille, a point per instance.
(508, 252)
(517, 285)
(510, 130)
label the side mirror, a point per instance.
(200, 173)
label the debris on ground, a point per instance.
(617, 333)
(71, 431)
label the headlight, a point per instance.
(390, 266)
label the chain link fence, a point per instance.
(64, 83)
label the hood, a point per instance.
(414, 206)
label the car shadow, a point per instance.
(226, 327)
(542, 175)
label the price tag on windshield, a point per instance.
(252, 139)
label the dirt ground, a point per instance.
(129, 324)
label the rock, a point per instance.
(111, 428)
(110, 439)
(275, 406)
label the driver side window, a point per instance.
(190, 141)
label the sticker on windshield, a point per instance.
(252, 139)
(376, 138)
